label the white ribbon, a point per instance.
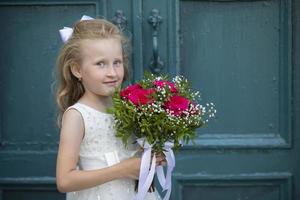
(146, 174)
(66, 32)
(166, 181)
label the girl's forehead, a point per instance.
(89, 47)
(100, 42)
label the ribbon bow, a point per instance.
(146, 174)
(66, 32)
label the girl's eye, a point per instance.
(101, 64)
(117, 63)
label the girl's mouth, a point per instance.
(111, 83)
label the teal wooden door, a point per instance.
(242, 55)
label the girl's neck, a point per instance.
(101, 103)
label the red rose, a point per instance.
(141, 96)
(163, 83)
(177, 104)
(128, 90)
(137, 95)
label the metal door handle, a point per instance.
(156, 65)
(120, 20)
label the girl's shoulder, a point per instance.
(73, 113)
(87, 110)
(90, 116)
(72, 126)
(79, 108)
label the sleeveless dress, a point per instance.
(99, 149)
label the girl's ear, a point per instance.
(75, 69)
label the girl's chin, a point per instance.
(111, 92)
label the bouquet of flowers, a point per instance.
(161, 114)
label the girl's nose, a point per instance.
(111, 70)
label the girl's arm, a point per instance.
(68, 178)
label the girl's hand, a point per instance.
(161, 159)
(131, 167)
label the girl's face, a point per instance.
(102, 69)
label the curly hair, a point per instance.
(69, 88)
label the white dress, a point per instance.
(99, 149)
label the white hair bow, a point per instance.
(66, 32)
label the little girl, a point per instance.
(92, 163)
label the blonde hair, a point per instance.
(69, 88)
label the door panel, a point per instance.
(239, 55)
(235, 53)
